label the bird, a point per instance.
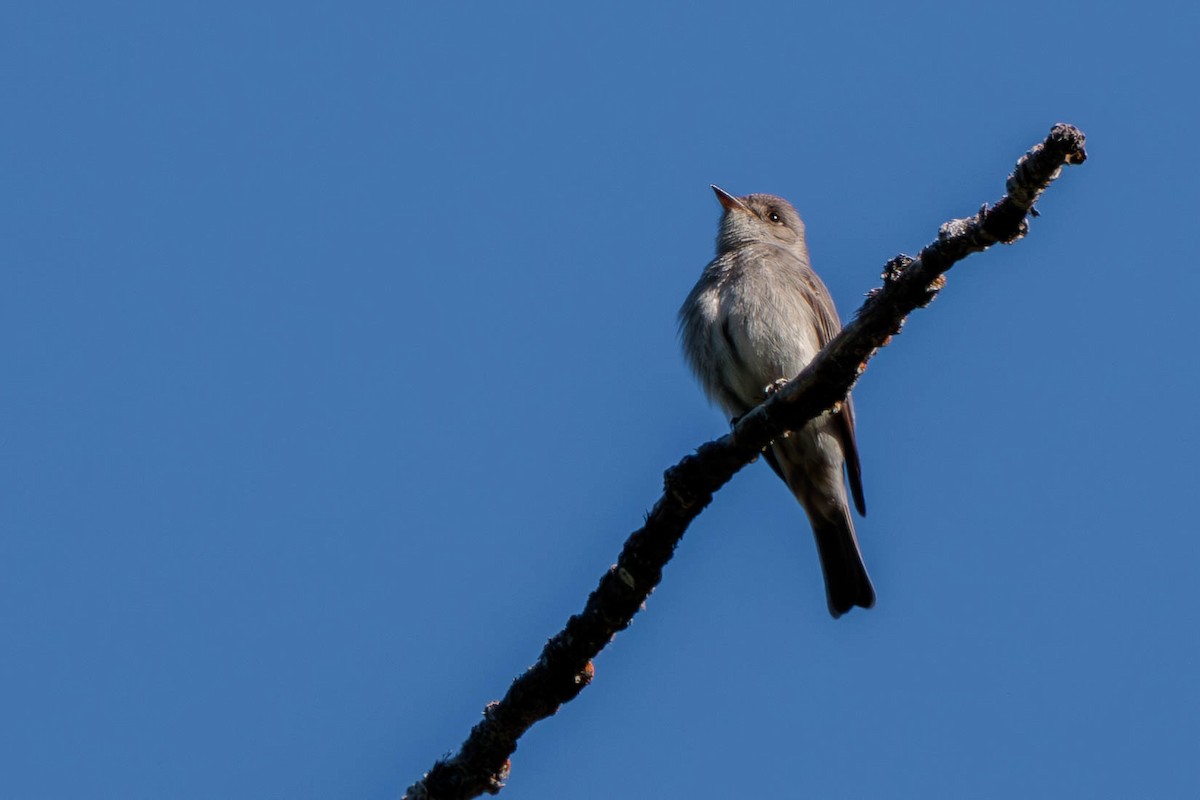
(755, 318)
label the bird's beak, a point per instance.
(728, 201)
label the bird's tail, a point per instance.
(846, 581)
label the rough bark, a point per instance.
(565, 665)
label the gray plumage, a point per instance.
(759, 314)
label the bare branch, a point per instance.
(565, 665)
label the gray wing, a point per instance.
(844, 420)
(828, 326)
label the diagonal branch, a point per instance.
(565, 665)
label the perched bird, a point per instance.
(757, 316)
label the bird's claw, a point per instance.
(770, 389)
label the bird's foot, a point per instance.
(770, 389)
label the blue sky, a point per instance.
(338, 359)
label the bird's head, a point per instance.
(757, 218)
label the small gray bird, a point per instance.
(757, 316)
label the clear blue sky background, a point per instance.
(338, 358)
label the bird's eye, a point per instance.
(774, 217)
